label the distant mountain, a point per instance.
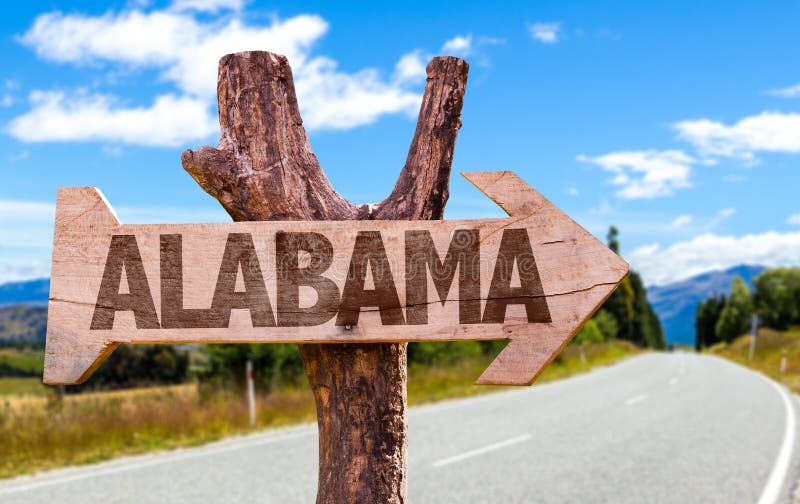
(676, 303)
(31, 292)
(23, 324)
(23, 312)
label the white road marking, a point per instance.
(154, 460)
(636, 399)
(673, 381)
(772, 489)
(481, 451)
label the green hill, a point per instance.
(23, 324)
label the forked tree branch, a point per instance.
(421, 190)
(264, 169)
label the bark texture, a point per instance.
(264, 169)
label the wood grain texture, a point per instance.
(263, 169)
(182, 271)
(585, 270)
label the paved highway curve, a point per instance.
(677, 428)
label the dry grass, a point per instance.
(44, 432)
(770, 348)
(40, 433)
(426, 384)
(21, 386)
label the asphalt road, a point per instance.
(674, 428)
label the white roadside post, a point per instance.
(783, 362)
(251, 392)
(753, 333)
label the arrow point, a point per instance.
(525, 357)
(82, 215)
(510, 192)
(531, 348)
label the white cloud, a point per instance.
(768, 132)
(645, 174)
(207, 5)
(26, 211)
(337, 100)
(573, 191)
(185, 49)
(709, 252)
(682, 221)
(787, 92)
(794, 219)
(24, 268)
(460, 45)
(170, 120)
(411, 66)
(7, 100)
(476, 48)
(134, 37)
(726, 212)
(547, 33)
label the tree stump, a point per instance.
(264, 169)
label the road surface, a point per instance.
(675, 428)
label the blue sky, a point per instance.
(675, 121)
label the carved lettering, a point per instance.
(123, 255)
(240, 255)
(369, 253)
(290, 277)
(515, 248)
(462, 254)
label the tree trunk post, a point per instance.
(264, 169)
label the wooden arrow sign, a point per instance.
(533, 279)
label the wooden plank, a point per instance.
(532, 278)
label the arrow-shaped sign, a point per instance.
(533, 279)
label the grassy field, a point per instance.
(39, 431)
(21, 361)
(770, 348)
(21, 372)
(17, 386)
